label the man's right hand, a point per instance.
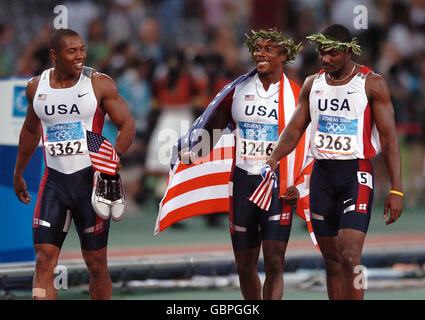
(186, 156)
(21, 189)
(272, 163)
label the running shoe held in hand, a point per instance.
(108, 196)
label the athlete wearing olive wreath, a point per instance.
(258, 106)
(352, 119)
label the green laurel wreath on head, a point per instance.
(321, 41)
(276, 36)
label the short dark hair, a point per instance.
(57, 37)
(338, 32)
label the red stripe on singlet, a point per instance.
(368, 149)
(98, 120)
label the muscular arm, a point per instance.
(383, 113)
(293, 132)
(29, 139)
(114, 105)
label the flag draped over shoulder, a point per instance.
(203, 187)
(102, 153)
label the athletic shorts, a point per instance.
(341, 196)
(249, 225)
(66, 197)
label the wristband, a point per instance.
(397, 193)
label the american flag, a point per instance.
(102, 153)
(202, 187)
(262, 196)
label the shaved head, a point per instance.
(56, 39)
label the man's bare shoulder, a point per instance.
(375, 84)
(100, 77)
(310, 78)
(104, 86)
(33, 82)
(32, 87)
(308, 82)
(374, 77)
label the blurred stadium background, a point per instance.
(169, 58)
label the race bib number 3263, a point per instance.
(66, 139)
(336, 135)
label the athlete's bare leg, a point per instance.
(274, 263)
(46, 260)
(329, 246)
(246, 266)
(351, 244)
(100, 286)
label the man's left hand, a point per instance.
(394, 205)
(119, 166)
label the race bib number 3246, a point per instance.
(256, 140)
(65, 139)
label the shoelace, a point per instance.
(110, 186)
(101, 189)
(114, 189)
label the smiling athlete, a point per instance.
(352, 119)
(64, 101)
(258, 108)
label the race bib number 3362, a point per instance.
(336, 135)
(64, 139)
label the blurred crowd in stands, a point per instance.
(172, 56)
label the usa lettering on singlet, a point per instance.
(341, 119)
(65, 116)
(255, 114)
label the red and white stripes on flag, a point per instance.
(202, 187)
(262, 196)
(199, 188)
(102, 153)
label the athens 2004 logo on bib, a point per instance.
(336, 135)
(256, 140)
(64, 139)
